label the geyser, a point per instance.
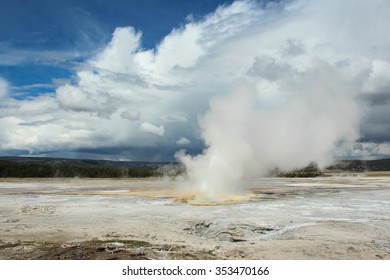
(245, 137)
(295, 96)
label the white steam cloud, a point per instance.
(299, 99)
(245, 138)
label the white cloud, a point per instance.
(75, 98)
(183, 141)
(175, 117)
(151, 128)
(379, 78)
(118, 56)
(133, 115)
(33, 86)
(366, 151)
(12, 57)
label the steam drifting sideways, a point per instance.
(298, 100)
(261, 84)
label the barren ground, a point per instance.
(337, 217)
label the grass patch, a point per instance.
(8, 245)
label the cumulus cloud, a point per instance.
(183, 141)
(119, 55)
(300, 77)
(151, 128)
(74, 98)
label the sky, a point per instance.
(284, 82)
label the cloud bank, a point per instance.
(260, 84)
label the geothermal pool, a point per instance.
(336, 217)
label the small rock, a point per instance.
(100, 248)
(12, 221)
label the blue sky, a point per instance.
(42, 40)
(53, 25)
(148, 80)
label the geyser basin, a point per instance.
(223, 200)
(206, 202)
(289, 218)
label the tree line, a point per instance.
(68, 169)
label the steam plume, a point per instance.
(293, 106)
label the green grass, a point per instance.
(8, 245)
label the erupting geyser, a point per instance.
(217, 173)
(246, 135)
(289, 89)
